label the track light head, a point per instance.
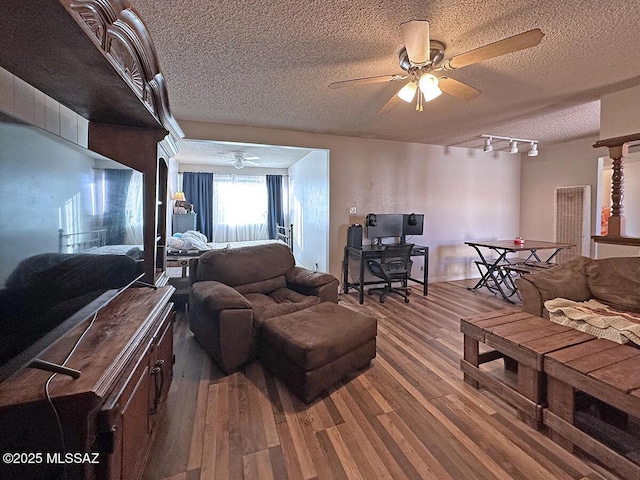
(487, 145)
(533, 151)
(513, 146)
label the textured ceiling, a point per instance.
(268, 63)
(199, 152)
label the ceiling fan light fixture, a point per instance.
(513, 146)
(487, 145)
(533, 151)
(408, 92)
(238, 164)
(429, 86)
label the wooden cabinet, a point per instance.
(95, 57)
(109, 414)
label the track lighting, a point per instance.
(489, 142)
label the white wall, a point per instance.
(620, 113)
(464, 194)
(567, 164)
(309, 210)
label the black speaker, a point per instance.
(354, 236)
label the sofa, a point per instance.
(234, 290)
(614, 282)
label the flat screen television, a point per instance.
(71, 230)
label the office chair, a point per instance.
(394, 266)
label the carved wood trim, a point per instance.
(618, 150)
(122, 37)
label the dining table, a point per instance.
(496, 267)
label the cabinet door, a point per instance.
(135, 427)
(161, 370)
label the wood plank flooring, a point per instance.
(408, 416)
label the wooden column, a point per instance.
(618, 150)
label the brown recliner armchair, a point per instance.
(233, 291)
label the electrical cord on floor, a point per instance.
(50, 400)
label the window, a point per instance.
(239, 208)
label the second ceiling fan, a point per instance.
(239, 160)
(421, 57)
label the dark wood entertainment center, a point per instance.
(96, 58)
(109, 412)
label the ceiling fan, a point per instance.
(421, 57)
(239, 160)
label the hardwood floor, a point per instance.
(409, 415)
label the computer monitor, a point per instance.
(384, 225)
(412, 224)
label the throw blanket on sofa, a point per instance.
(595, 318)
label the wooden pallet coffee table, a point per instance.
(606, 371)
(522, 340)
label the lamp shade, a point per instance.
(429, 87)
(533, 151)
(407, 92)
(179, 196)
(513, 146)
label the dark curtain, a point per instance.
(114, 222)
(198, 189)
(275, 214)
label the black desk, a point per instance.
(369, 252)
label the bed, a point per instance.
(94, 242)
(194, 243)
(285, 234)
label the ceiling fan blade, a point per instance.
(415, 34)
(249, 162)
(364, 81)
(251, 158)
(495, 49)
(458, 89)
(391, 103)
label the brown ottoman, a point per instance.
(312, 349)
